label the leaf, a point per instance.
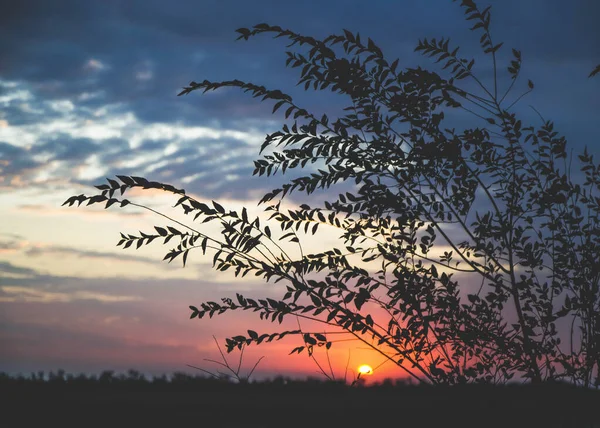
(218, 207)
(181, 200)
(94, 199)
(161, 231)
(498, 46)
(595, 71)
(359, 302)
(349, 35)
(309, 339)
(434, 271)
(316, 301)
(127, 180)
(140, 181)
(298, 350)
(279, 104)
(244, 32)
(110, 202)
(314, 228)
(173, 230)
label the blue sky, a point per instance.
(88, 90)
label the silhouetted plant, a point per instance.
(234, 374)
(502, 198)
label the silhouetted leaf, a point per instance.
(218, 207)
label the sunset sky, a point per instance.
(88, 90)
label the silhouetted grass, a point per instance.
(184, 400)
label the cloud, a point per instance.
(11, 246)
(30, 286)
(9, 268)
(94, 95)
(16, 166)
(94, 65)
(62, 147)
(45, 210)
(28, 347)
(114, 319)
(16, 294)
(70, 141)
(58, 250)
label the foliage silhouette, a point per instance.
(434, 209)
(234, 374)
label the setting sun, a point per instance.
(365, 369)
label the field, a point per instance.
(183, 400)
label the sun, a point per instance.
(365, 369)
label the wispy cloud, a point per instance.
(9, 268)
(49, 210)
(64, 139)
(24, 294)
(39, 251)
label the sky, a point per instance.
(88, 90)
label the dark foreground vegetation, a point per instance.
(183, 400)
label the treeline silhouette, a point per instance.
(132, 398)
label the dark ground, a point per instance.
(199, 402)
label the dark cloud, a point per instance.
(15, 115)
(8, 151)
(135, 56)
(112, 150)
(9, 268)
(64, 147)
(15, 162)
(188, 40)
(153, 145)
(185, 40)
